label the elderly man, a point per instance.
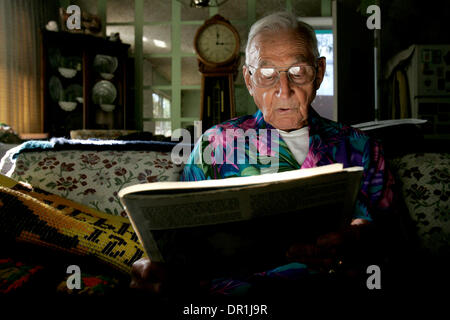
(282, 73)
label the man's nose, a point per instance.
(284, 89)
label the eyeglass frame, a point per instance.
(279, 70)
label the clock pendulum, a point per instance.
(217, 47)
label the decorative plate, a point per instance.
(73, 92)
(104, 92)
(56, 88)
(67, 73)
(67, 105)
(107, 107)
(54, 57)
(105, 64)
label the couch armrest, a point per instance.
(424, 184)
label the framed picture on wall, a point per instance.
(89, 24)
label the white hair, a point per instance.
(280, 21)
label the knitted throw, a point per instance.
(44, 219)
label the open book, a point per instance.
(245, 218)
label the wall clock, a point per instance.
(217, 47)
(216, 42)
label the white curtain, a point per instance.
(20, 24)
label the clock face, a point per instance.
(216, 43)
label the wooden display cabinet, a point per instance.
(83, 77)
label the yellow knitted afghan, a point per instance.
(38, 217)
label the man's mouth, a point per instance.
(283, 109)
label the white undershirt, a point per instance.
(298, 142)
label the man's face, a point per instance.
(284, 105)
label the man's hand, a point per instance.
(310, 255)
(148, 276)
(327, 249)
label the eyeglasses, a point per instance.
(265, 77)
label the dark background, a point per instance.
(403, 23)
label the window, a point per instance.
(161, 115)
(325, 46)
(324, 101)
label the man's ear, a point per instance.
(321, 66)
(247, 80)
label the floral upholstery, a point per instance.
(94, 178)
(425, 187)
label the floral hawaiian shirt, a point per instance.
(218, 154)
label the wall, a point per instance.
(407, 22)
(403, 22)
(355, 64)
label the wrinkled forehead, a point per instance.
(281, 48)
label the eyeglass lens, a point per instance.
(267, 76)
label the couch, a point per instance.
(77, 181)
(90, 174)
